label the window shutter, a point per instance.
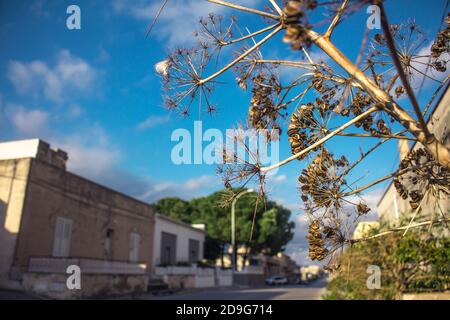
(134, 247)
(67, 234)
(63, 233)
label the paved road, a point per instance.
(289, 292)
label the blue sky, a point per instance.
(94, 92)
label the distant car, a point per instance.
(276, 280)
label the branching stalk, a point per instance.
(321, 141)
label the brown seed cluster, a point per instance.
(359, 104)
(319, 185)
(362, 208)
(307, 124)
(300, 120)
(263, 113)
(399, 91)
(317, 250)
(441, 46)
(424, 173)
(327, 92)
(296, 24)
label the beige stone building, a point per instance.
(391, 207)
(51, 218)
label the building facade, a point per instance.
(52, 218)
(177, 242)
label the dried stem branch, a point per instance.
(387, 177)
(242, 56)
(276, 7)
(369, 135)
(225, 43)
(416, 225)
(398, 66)
(336, 19)
(246, 9)
(437, 149)
(321, 141)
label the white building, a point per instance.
(177, 242)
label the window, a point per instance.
(134, 246)
(109, 240)
(168, 248)
(61, 241)
(194, 246)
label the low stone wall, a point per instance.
(48, 276)
(249, 279)
(224, 278)
(427, 296)
(193, 277)
(92, 285)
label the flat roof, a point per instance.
(19, 149)
(184, 224)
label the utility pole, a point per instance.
(233, 229)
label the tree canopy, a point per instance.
(272, 228)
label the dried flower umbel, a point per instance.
(215, 32)
(263, 112)
(319, 183)
(296, 23)
(183, 73)
(307, 125)
(411, 40)
(423, 175)
(317, 250)
(242, 160)
(441, 46)
(322, 189)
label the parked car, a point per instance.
(276, 280)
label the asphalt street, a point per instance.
(312, 291)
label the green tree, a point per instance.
(272, 229)
(175, 208)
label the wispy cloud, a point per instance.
(178, 20)
(194, 187)
(28, 122)
(420, 68)
(37, 78)
(152, 121)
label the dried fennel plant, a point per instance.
(362, 95)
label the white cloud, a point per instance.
(188, 189)
(200, 182)
(297, 248)
(28, 122)
(420, 66)
(279, 178)
(39, 10)
(92, 160)
(37, 78)
(178, 20)
(74, 111)
(152, 122)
